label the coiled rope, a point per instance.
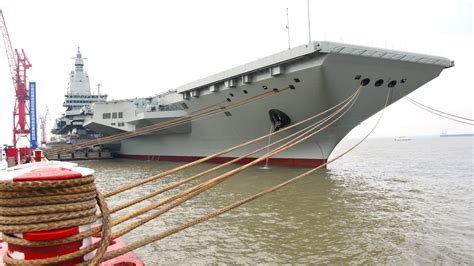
(31, 206)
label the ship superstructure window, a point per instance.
(120, 115)
(106, 116)
(114, 115)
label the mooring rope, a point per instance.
(200, 188)
(153, 238)
(150, 239)
(208, 171)
(437, 112)
(207, 158)
(214, 181)
(175, 200)
(190, 194)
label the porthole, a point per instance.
(357, 77)
(365, 82)
(229, 100)
(297, 80)
(275, 89)
(403, 80)
(378, 83)
(245, 91)
(292, 87)
(392, 83)
(227, 113)
(231, 94)
(264, 87)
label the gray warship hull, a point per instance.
(321, 75)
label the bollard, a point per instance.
(12, 156)
(48, 171)
(38, 155)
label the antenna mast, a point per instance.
(309, 23)
(288, 28)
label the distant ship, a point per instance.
(402, 138)
(319, 74)
(457, 135)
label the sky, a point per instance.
(140, 48)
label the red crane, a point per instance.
(19, 64)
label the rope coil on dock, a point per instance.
(67, 198)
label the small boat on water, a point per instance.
(402, 138)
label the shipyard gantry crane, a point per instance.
(19, 64)
(42, 123)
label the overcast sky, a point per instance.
(140, 48)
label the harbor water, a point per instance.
(386, 202)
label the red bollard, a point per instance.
(12, 156)
(38, 155)
(40, 172)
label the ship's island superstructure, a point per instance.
(320, 75)
(78, 102)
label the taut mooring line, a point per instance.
(176, 229)
(441, 113)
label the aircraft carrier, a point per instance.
(319, 75)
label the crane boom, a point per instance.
(19, 64)
(8, 47)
